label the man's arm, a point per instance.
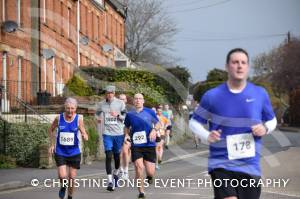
(98, 112)
(52, 135)
(206, 137)
(264, 128)
(122, 114)
(154, 131)
(82, 128)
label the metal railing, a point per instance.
(17, 103)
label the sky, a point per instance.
(208, 29)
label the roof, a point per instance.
(120, 7)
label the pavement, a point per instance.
(22, 177)
(280, 161)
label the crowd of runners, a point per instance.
(129, 133)
(238, 114)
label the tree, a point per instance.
(216, 75)
(281, 66)
(149, 32)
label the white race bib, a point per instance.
(111, 120)
(240, 146)
(66, 139)
(139, 137)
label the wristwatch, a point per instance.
(267, 129)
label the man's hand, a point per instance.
(99, 120)
(114, 113)
(51, 150)
(127, 139)
(85, 137)
(152, 135)
(214, 136)
(259, 130)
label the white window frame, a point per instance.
(19, 13)
(20, 77)
(3, 10)
(44, 11)
(53, 77)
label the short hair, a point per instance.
(71, 100)
(122, 95)
(241, 50)
(139, 94)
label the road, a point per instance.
(281, 160)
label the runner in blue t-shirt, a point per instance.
(239, 113)
(65, 145)
(143, 125)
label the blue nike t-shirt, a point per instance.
(234, 114)
(141, 124)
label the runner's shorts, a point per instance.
(73, 161)
(242, 192)
(147, 153)
(113, 143)
(169, 127)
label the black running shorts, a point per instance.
(243, 191)
(147, 153)
(73, 161)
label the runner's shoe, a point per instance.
(62, 192)
(150, 179)
(110, 187)
(157, 167)
(142, 195)
(125, 176)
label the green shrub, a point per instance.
(130, 81)
(7, 162)
(79, 87)
(201, 88)
(91, 128)
(23, 141)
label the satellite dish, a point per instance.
(10, 26)
(48, 53)
(107, 48)
(84, 40)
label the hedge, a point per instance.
(92, 143)
(23, 141)
(127, 81)
(79, 87)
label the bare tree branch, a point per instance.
(149, 31)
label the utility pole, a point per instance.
(288, 37)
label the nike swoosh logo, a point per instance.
(250, 100)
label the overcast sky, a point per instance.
(210, 28)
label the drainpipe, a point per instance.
(4, 72)
(39, 48)
(78, 34)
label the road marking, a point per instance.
(186, 194)
(190, 155)
(198, 174)
(282, 194)
(41, 186)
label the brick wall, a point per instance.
(58, 32)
